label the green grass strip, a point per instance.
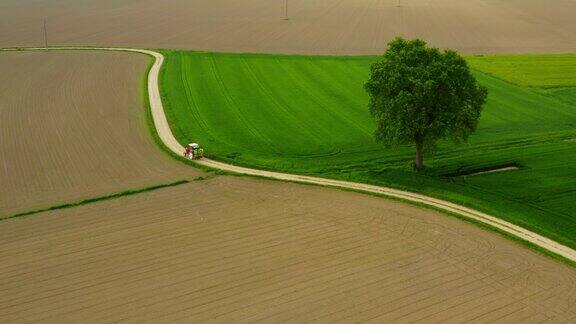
(97, 199)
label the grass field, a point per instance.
(539, 71)
(308, 115)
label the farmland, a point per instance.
(530, 70)
(232, 249)
(227, 248)
(63, 136)
(314, 27)
(99, 224)
(307, 114)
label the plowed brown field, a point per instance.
(72, 126)
(227, 249)
(243, 250)
(321, 26)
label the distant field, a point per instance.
(544, 71)
(308, 115)
(314, 27)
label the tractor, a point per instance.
(193, 151)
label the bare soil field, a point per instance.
(322, 26)
(235, 249)
(72, 126)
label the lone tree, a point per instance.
(420, 95)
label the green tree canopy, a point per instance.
(419, 95)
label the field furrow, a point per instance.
(75, 130)
(246, 250)
(314, 27)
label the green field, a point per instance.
(309, 115)
(544, 71)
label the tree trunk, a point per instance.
(419, 155)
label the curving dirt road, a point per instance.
(165, 134)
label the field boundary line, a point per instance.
(129, 192)
(167, 137)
